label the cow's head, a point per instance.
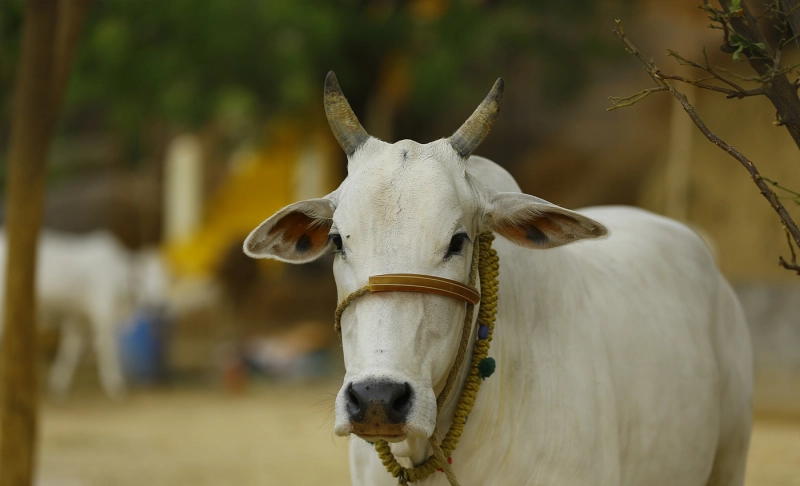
(405, 208)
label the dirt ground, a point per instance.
(278, 435)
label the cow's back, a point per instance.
(678, 345)
(637, 358)
(84, 273)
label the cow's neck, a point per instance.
(511, 341)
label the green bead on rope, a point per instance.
(486, 367)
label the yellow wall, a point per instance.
(258, 184)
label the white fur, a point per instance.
(622, 360)
(90, 278)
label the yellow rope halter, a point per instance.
(486, 262)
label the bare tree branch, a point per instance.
(729, 93)
(705, 67)
(780, 91)
(665, 85)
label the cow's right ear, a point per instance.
(297, 233)
(535, 223)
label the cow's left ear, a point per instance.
(297, 233)
(534, 223)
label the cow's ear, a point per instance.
(534, 223)
(297, 233)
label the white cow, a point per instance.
(90, 279)
(621, 360)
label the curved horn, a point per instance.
(479, 124)
(344, 124)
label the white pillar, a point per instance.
(310, 172)
(183, 187)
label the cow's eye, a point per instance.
(337, 241)
(456, 245)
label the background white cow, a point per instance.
(90, 284)
(622, 360)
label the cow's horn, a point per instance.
(479, 124)
(344, 124)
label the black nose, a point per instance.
(371, 400)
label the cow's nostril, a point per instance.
(397, 400)
(402, 403)
(354, 408)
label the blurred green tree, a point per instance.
(186, 63)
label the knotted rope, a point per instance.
(486, 262)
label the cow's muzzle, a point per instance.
(378, 408)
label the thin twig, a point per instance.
(776, 184)
(754, 79)
(790, 265)
(766, 79)
(706, 68)
(729, 93)
(790, 40)
(630, 100)
(766, 191)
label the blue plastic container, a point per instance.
(143, 347)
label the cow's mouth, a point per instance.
(388, 438)
(375, 432)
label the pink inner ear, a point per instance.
(546, 230)
(300, 233)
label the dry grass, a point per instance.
(279, 436)
(271, 436)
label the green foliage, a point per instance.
(10, 28)
(184, 63)
(740, 43)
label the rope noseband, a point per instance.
(486, 263)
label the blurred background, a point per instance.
(188, 122)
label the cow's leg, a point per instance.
(70, 349)
(730, 461)
(108, 362)
(736, 365)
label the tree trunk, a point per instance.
(792, 8)
(71, 14)
(780, 91)
(42, 75)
